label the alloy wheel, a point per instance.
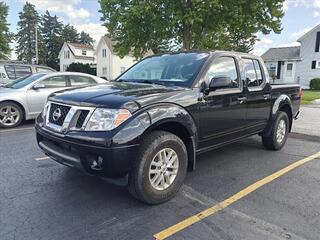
(163, 169)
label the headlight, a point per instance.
(104, 119)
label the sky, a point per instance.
(300, 17)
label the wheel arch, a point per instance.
(180, 130)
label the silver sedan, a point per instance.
(25, 97)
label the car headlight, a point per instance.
(104, 119)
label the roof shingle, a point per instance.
(282, 53)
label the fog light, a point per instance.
(97, 164)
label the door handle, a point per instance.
(266, 96)
(242, 99)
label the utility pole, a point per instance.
(37, 57)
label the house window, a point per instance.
(289, 70)
(272, 70)
(122, 69)
(318, 64)
(84, 52)
(66, 54)
(104, 52)
(104, 71)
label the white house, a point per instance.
(296, 64)
(282, 63)
(309, 67)
(75, 53)
(109, 65)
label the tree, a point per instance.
(5, 35)
(70, 34)
(26, 40)
(81, 67)
(85, 38)
(165, 25)
(51, 30)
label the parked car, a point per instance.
(11, 70)
(25, 97)
(152, 122)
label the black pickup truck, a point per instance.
(149, 125)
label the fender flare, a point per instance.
(152, 117)
(281, 101)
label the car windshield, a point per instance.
(24, 81)
(169, 69)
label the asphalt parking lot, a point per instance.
(40, 199)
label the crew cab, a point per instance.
(149, 125)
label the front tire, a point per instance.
(279, 133)
(11, 115)
(160, 168)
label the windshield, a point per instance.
(24, 81)
(169, 69)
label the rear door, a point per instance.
(37, 97)
(258, 95)
(79, 81)
(223, 111)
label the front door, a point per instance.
(222, 111)
(288, 75)
(37, 97)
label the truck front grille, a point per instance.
(58, 113)
(81, 119)
(63, 118)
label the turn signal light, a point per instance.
(123, 115)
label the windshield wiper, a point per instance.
(151, 82)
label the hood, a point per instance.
(4, 90)
(115, 94)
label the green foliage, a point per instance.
(70, 34)
(51, 31)
(166, 25)
(5, 35)
(26, 38)
(85, 38)
(81, 67)
(315, 84)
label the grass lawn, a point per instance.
(310, 95)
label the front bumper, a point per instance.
(86, 152)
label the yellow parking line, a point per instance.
(220, 206)
(42, 158)
(17, 129)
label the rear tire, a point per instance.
(11, 115)
(279, 133)
(159, 169)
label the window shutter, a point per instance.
(279, 70)
(313, 66)
(317, 42)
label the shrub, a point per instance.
(80, 67)
(315, 84)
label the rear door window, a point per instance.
(253, 73)
(81, 81)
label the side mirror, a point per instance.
(38, 86)
(220, 82)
